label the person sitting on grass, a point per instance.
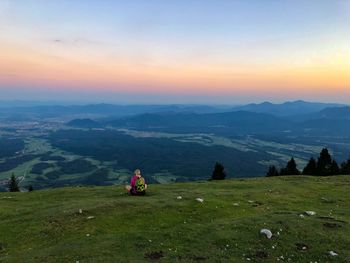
(138, 184)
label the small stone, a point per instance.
(201, 200)
(87, 235)
(266, 232)
(236, 204)
(80, 211)
(333, 254)
(310, 213)
(179, 197)
(90, 217)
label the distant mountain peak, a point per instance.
(287, 108)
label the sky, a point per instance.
(175, 51)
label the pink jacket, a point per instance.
(133, 181)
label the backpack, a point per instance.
(140, 185)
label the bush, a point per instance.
(13, 184)
(218, 173)
(272, 171)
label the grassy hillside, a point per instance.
(46, 226)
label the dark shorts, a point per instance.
(137, 193)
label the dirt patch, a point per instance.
(332, 225)
(332, 219)
(261, 254)
(257, 203)
(155, 255)
(301, 247)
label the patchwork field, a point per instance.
(70, 157)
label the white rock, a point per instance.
(80, 211)
(250, 201)
(236, 204)
(310, 213)
(333, 254)
(87, 235)
(266, 232)
(179, 197)
(90, 217)
(200, 200)
(301, 215)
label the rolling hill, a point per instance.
(236, 122)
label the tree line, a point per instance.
(13, 185)
(325, 165)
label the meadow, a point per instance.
(103, 224)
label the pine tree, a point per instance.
(13, 184)
(272, 171)
(325, 165)
(345, 168)
(311, 167)
(218, 173)
(334, 168)
(291, 168)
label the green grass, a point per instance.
(46, 226)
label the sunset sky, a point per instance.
(173, 51)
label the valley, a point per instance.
(49, 153)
